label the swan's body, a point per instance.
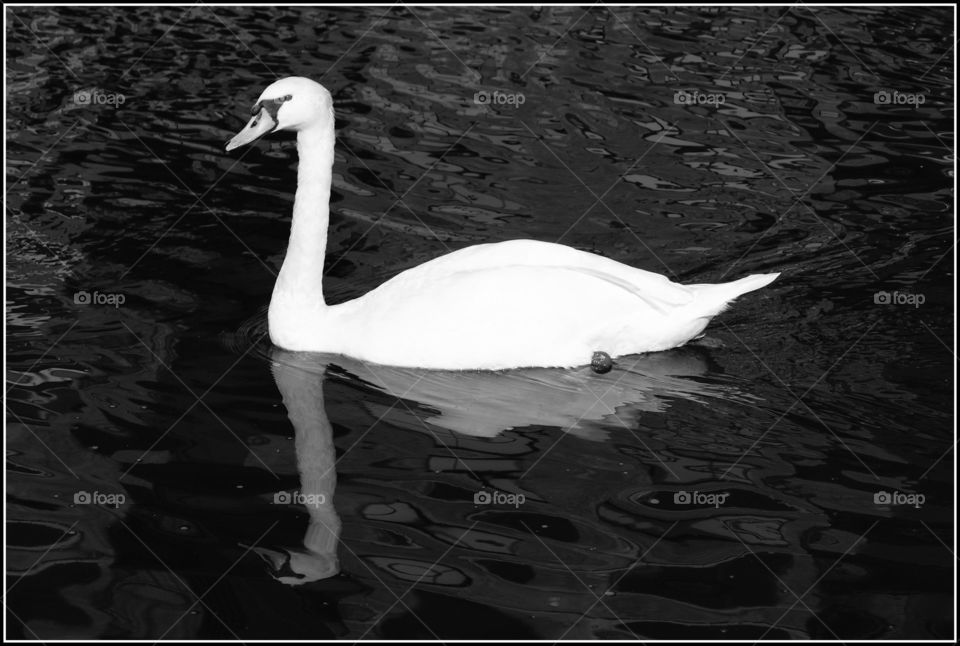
(511, 304)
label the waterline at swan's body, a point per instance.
(512, 304)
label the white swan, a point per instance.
(492, 306)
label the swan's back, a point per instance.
(534, 253)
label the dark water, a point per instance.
(173, 413)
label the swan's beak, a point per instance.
(261, 123)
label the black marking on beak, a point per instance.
(265, 120)
(272, 106)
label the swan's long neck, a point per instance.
(301, 277)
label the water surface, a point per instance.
(727, 489)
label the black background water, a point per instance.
(805, 400)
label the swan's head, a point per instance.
(294, 103)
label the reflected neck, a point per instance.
(301, 277)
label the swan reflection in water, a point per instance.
(477, 405)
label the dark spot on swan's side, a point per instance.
(601, 362)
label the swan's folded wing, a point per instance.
(661, 298)
(655, 289)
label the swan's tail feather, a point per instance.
(713, 299)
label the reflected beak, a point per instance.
(261, 124)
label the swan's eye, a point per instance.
(287, 98)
